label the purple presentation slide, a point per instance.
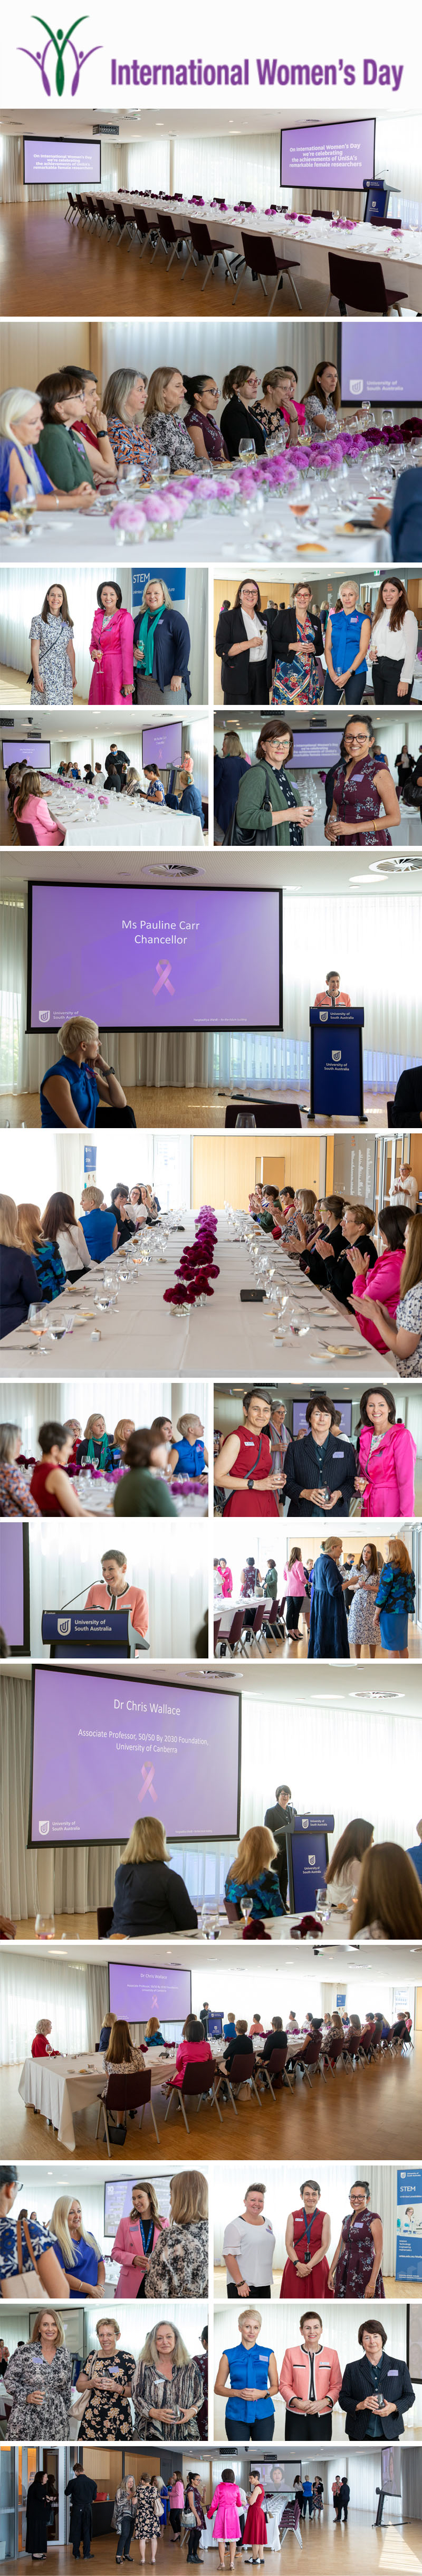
(36, 754)
(163, 743)
(316, 750)
(118, 2199)
(300, 1422)
(154, 960)
(104, 1753)
(11, 1582)
(137, 1992)
(48, 159)
(328, 156)
(381, 366)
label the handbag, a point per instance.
(20, 2285)
(234, 838)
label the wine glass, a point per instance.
(246, 1908)
(299, 499)
(322, 1905)
(247, 450)
(45, 1927)
(299, 1324)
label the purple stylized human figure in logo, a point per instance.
(59, 41)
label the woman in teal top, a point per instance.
(266, 793)
(83, 1093)
(348, 636)
(249, 2365)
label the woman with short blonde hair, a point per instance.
(188, 1456)
(149, 1895)
(81, 1078)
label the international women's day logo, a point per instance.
(58, 40)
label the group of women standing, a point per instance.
(275, 653)
(258, 801)
(142, 660)
(160, 2394)
(354, 2272)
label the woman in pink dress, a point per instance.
(226, 2505)
(255, 2532)
(111, 649)
(308, 2235)
(386, 1455)
(136, 2237)
(30, 807)
(383, 1280)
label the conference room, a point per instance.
(148, 645)
(182, 1829)
(347, 2232)
(312, 487)
(313, 2116)
(373, 2486)
(82, 790)
(324, 1603)
(315, 636)
(232, 1026)
(282, 2372)
(341, 769)
(149, 187)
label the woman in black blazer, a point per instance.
(243, 639)
(239, 393)
(297, 639)
(322, 1464)
(377, 2374)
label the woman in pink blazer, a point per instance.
(383, 1281)
(310, 2382)
(193, 2050)
(111, 649)
(387, 1452)
(136, 2237)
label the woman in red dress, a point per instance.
(245, 1464)
(255, 2532)
(308, 2235)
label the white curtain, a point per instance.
(217, 346)
(343, 2333)
(123, 165)
(117, 1398)
(188, 2316)
(175, 1578)
(23, 591)
(163, 1159)
(72, 1997)
(283, 2194)
(381, 1749)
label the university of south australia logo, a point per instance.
(58, 40)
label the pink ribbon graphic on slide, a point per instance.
(148, 1776)
(163, 975)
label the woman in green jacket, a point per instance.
(60, 446)
(141, 1495)
(268, 776)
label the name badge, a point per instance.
(338, 1453)
(392, 2374)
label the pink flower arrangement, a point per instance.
(196, 1268)
(270, 474)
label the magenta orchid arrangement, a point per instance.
(197, 1267)
(270, 474)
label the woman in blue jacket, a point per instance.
(229, 768)
(161, 647)
(328, 1621)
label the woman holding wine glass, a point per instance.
(365, 799)
(267, 794)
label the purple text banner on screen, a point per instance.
(316, 750)
(136, 1992)
(328, 156)
(72, 163)
(36, 754)
(379, 365)
(11, 1582)
(158, 961)
(104, 1754)
(162, 743)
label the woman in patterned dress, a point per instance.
(147, 2517)
(297, 640)
(39, 2381)
(355, 2271)
(108, 2375)
(364, 792)
(167, 2388)
(15, 2252)
(179, 2263)
(123, 404)
(53, 652)
(361, 1628)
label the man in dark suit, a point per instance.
(82, 2492)
(343, 2500)
(278, 1818)
(375, 2390)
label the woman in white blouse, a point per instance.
(394, 644)
(248, 2248)
(322, 400)
(61, 1226)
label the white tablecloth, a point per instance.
(214, 534)
(221, 1337)
(120, 822)
(308, 242)
(57, 2087)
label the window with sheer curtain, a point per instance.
(39, 1989)
(216, 345)
(117, 1398)
(161, 1159)
(380, 1757)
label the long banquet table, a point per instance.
(222, 1336)
(313, 237)
(208, 533)
(97, 820)
(59, 2087)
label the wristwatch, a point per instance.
(249, 1481)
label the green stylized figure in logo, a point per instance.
(59, 41)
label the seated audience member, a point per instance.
(98, 1223)
(251, 1876)
(19, 1285)
(40, 2045)
(353, 1233)
(343, 1873)
(178, 2266)
(114, 1591)
(240, 2044)
(377, 2375)
(63, 452)
(164, 422)
(193, 2050)
(123, 406)
(51, 1488)
(322, 402)
(415, 1853)
(75, 1088)
(408, 1093)
(142, 1493)
(404, 518)
(77, 2251)
(121, 1436)
(96, 1448)
(240, 390)
(125, 1225)
(325, 1459)
(43, 1250)
(401, 1332)
(155, 793)
(310, 2382)
(389, 1901)
(22, 473)
(202, 395)
(150, 1896)
(121, 2057)
(16, 1504)
(23, 2242)
(31, 809)
(186, 799)
(62, 1228)
(279, 403)
(383, 1284)
(328, 1634)
(187, 1456)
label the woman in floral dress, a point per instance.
(53, 652)
(360, 1625)
(108, 2375)
(167, 2389)
(179, 2263)
(39, 2381)
(147, 2517)
(355, 2271)
(297, 676)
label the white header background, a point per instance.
(325, 36)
